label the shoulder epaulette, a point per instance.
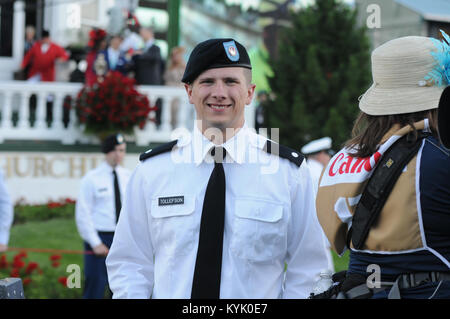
(167, 147)
(284, 152)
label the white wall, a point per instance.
(40, 177)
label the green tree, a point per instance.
(323, 66)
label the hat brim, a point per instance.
(388, 101)
(444, 117)
(238, 65)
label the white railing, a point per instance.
(16, 124)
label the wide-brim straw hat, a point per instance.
(399, 69)
(444, 117)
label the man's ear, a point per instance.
(188, 88)
(250, 93)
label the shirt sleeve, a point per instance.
(306, 244)
(130, 262)
(27, 58)
(62, 54)
(83, 213)
(6, 212)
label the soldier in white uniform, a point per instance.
(318, 154)
(6, 214)
(219, 212)
(97, 211)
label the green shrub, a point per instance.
(26, 212)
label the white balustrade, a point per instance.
(71, 132)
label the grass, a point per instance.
(340, 263)
(56, 233)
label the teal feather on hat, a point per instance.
(440, 75)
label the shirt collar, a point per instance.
(149, 43)
(105, 166)
(235, 146)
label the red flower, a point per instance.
(55, 257)
(54, 205)
(18, 263)
(31, 266)
(112, 103)
(70, 201)
(55, 264)
(63, 281)
(14, 273)
(26, 281)
(96, 35)
(21, 254)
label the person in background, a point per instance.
(97, 212)
(42, 58)
(172, 77)
(148, 63)
(30, 38)
(318, 155)
(148, 66)
(261, 98)
(6, 214)
(97, 42)
(132, 41)
(114, 58)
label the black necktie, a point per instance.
(208, 266)
(117, 195)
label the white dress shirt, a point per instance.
(113, 57)
(95, 208)
(270, 220)
(316, 169)
(6, 212)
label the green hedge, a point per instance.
(26, 212)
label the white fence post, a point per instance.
(24, 111)
(6, 110)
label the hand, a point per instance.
(3, 248)
(101, 250)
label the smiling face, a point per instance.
(220, 96)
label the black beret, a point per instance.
(215, 53)
(444, 117)
(110, 142)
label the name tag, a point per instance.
(174, 200)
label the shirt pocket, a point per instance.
(172, 227)
(259, 230)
